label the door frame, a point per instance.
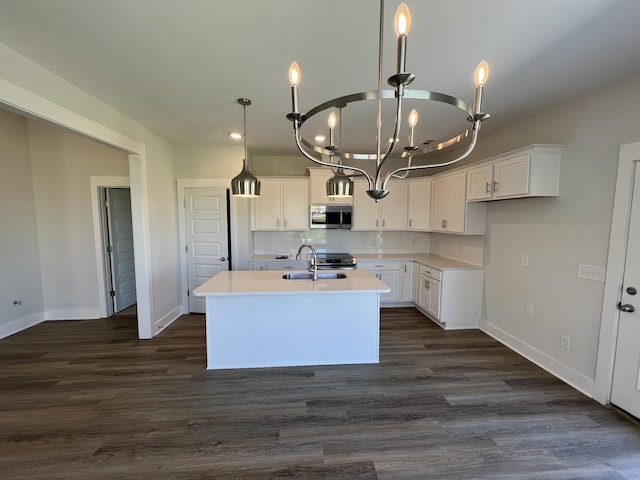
(240, 239)
(628, 156)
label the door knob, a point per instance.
(627, 307)
(222, 259)
(632, 290)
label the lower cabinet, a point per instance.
(452, 298)
(390, 272)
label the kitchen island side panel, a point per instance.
(248, 331)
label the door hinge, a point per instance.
(109, 249)
(188, 293)
(186, 248)
(112, 293)
(107, 204)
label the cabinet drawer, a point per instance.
(380, 265)
(431, 272)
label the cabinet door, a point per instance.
(439, 199)
(418, 205)
(433, 309)
(454, 219)
(407, 281)
(423, 293)
(511, 177)
(267, 208)
(393, 279)
(366, 212)
(295, 207)
(394, 207)
(479, 183)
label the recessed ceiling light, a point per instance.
(236, 135)
(320, 138)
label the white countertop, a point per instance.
(250, 282)
(427, 259)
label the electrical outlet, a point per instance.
(591, 272)
(524, 261)
(528, 308)
(565, 342)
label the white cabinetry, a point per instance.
(533, 171)
(418, 204)
(452, 298)
(283, 204)
(429, 292)
(318, 188)
(390, 213)
(449, 209)
(407, 281)
(390, 272)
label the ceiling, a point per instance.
(178, 66)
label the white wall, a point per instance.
(20, 275)
(558, 233)
(62, 163)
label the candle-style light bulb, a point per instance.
(402, 26)
(403, 20)
(413, 118)
(294, 81)
(482, 73)
(480, 78)
(294, 74)
(333, 120)
(413, 121)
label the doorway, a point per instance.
(207, 238)
(625, 391)
(118, 250)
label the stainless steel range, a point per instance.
(328, 261)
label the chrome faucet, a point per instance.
(313, 264)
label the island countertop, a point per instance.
(270, 282)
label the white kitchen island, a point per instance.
(259, 319)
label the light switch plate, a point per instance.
(591, 272)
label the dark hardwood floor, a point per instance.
(87, 400)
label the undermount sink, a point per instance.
(309, 276)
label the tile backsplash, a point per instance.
(469, 249)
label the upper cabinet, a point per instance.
(283, 204)
(318, 188)
(450, 212)
(533, 171)
(419, 204)
(390, 213)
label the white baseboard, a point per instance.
(73, 314)
(575, 379)
(167, 319)
(19, 324)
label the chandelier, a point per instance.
(332, 155)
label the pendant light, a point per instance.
(245, 184)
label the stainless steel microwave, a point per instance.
(331, 216)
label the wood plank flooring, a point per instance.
(87, 400)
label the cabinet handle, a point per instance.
(495, 186)
(444, 224)
(377, 223)
(285, 222)
(488, 189)
(277, 222)
(409, 222)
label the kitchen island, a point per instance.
(260, 319)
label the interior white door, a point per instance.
(625, 392)
(207, 238)
(121, 242)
